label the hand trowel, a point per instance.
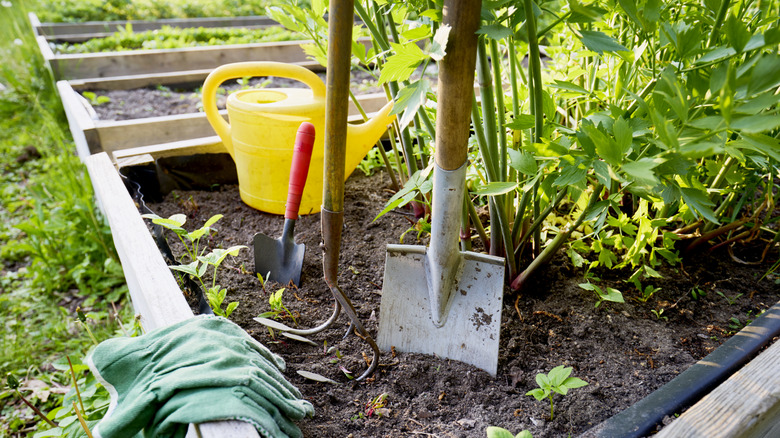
(281, 259)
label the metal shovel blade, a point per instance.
(281, 260)
(470, 332)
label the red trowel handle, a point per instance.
(304, 143)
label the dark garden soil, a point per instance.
(163, 101)
(623, 351)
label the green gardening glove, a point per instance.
(205, 366)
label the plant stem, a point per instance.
(81, 420)
(550, 250)
(35, 409)
(724, 7)
(551, 408)
(75, 382)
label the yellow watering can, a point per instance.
(262, 129)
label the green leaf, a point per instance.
(642, 170)
(498, 432)
(522, 161)
(629, 6)
(230, 308)
(575, 382)
(558, 375)
(600, 42)
(538, 393)
(698, 201)
(523, 121)
(439, 44)
(584, 13)
(568, 86)
(756, 124)
(401, 65)
(410, 99)
(191, 268)
(606, 147)
(765, 144)
(495, 188)
(417, 33)
(524, 434)
(212, 220)
(571, 175)
(737, 33)
(623, 134)
(613, 295)
(495, 31)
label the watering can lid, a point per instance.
(275, 100)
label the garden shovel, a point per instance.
(439, 300)
(282, 259)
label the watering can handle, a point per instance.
(243, 69)
(304, 144)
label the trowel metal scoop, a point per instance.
(439, 300)
(281, 260)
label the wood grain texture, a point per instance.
(747, 405)
(153, 290)
(456, 83)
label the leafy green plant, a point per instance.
(169, 37)
(556, 381)
(500, 432)
(100, 10)
(200, 260)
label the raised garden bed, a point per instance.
(622, 350)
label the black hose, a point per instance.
(641, 419)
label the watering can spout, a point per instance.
(362, 137)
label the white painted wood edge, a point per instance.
(79, 121)
(153, 290)
(745, 405)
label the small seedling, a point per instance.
(557, 380)
(659, 314)
(729, 300)
(500, 432)
(278, 310)
(610, 294)
(697, 292)
(94, 99)
(376, 406)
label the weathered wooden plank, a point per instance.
(155, 294)
(146, 154)
(94, 29)
(125, 134)
(180, 78)
(747, 405)
(80, 122)
(136, 62)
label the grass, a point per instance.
(57, 253)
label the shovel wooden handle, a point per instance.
(304, 143)
(456, 83)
